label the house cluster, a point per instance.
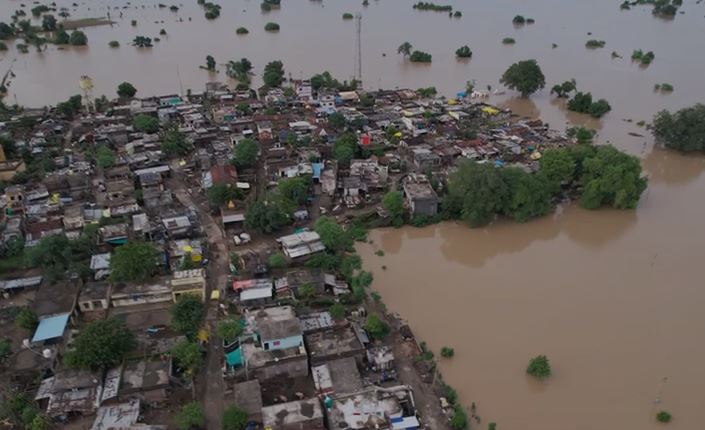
(107, 181)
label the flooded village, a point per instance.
(229, 245)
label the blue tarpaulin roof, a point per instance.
(317, 169)
(51, 327)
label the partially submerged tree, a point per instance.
(210, 63)
(393, 203)
(273, 74)
(126, 90)
(405, 49)
(539, 367)
(683, 130)
(463, 52)
(564, 89)
(524, 76)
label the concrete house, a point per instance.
(420, 196)
(297, 415)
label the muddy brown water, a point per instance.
(613, 298)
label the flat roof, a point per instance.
(51, 327)
(284, 414)
(256, 293)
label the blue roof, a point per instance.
(317, 168)
(51, 327)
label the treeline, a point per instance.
(597, 175)
(433, 6)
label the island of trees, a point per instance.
(683, 130)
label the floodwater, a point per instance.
(613, 298)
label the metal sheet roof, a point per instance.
(51, 327)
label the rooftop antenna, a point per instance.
(358, 48)
(86, 84)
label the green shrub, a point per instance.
(508, 41)
(463, 52)
(242, 30)
(420, 57)
(539, 367)
(277, 261)
(594, 44)
(447, 352)
(271, 26)
(114, 44)
(518, 20)
(348, 15)
(663, 417)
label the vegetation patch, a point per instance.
(420, 57)
(645, 58)
(663, 417)
(347, 16)
(664, 88)
(271, 26)
(594, 44)
(683, 130)
(583, 103)
(539, 367)
(242, 30)
(508, 41)
(463, 52)
(433, 7)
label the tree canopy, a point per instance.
(101, 344)
(78, 38)
(235, 418)
(344, 148)
(463, 52)
(525, 76)
(146, 123)
(187, 356)
(27, 319)
(273, 74)
(191, 416)
(174, 142)
(267, 214)
(333, 236)
(539, 367)
(229, 329)
(393, 202)
(405, 49)
(375, 327)
(186, 315)
(295, 190)
(133, 262)
(126, 90)
(245, 154)
(582, 102)
(683, 130)
(220, 194)
(611, 178)
(239, 70)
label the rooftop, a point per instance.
(145, 375)
(51, 327)
(284, 414)
(337, 376)
(248, 396)
(338, 342)
(277, 323)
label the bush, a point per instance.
(375, 327)
(447, 352)
(420, 57)
(277, 261)
(190, 416)
(337, 311)
(539, 367)
(101, 344)
(644, 58)
(663, 417)
(664, 88)
(242, 30)
(114, 44)
(594, 44)
(271, 26)
(457, 14)
(78, 38)
(463, 52)
(433, 7)
(186, 315)
(235, 419)
(146, 124)
(348, 15)
(460, 418)
(187, 356)
(508, 41)
(518, 20)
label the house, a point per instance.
(131, 294)
(297, 415)
(100, 265)
(297, 278)
(336, 376)
(189, 282)
(147, 380)
(420, 196)
(338, 342)
(93, 299)
(50, 328)
(424, 158)
(114, 234)
(70, 392)
(122, 416)
(374, 408)
(301, 244)
(278, 328)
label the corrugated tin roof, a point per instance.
(51, 327)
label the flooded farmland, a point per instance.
(614, 298)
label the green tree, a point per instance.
(539, 367)
(294, 189)
(530, 195)
(611, 178)
(133, 262)
(174, 143)
(683, 130)
(582, 135)
(271, 27)
(405, 49)
(463, 52)
(40, 422)
(48, 23)
(599, 108)
(393, 202)
(267, 214)
(336, 120)
(525, 76)
(558, 167)
(126, 90)
(146, 124)
(242, 30)
(239, 70)
(220, 194)
(62, 37)
(460, 418)
(337, 311)
(344, 148)
(5, 350)
(229, 329)
(78, 38)
(420, 57)
(114, 44)
(53, 255)
(333, 236)
(210, 62)
(70, 107)
(235, 419)
(187, 356)
(306, 292)
(276, 261)
(19, 409)
(273, 74)
(27, 319)
(186, 315)
(476, 193)
(375, 327)
(562, 90)
(447, 352)
(190, 417)
(101, 344)
(104, 156)
(142, 41)
(245, 154)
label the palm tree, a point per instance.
(404, 49)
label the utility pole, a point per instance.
(358, 48)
